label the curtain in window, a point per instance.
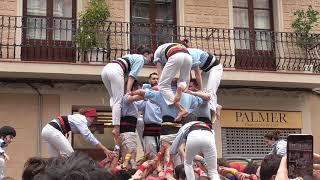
(164, 17)
(62, 23)
(36, 21)
(261, 26)
(140, 23)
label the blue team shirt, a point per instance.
(151, 112)
(136, 61)
(199, 57)
(128, 108)
(203, 110)
(187, 101)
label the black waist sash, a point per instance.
(174, 49)
(205, 120)
(209, 63)
(62, 124)
(152, 129)
(169, 126)
(128, 124)
(199, 126)
(124, 63)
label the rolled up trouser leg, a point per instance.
(150, 145)
(139, 129)
(129, 144)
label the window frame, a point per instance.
(46, 48)
(152, 22)
(251, 57)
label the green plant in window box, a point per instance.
(91, 32)
(303, 24)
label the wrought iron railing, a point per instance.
(45, 39)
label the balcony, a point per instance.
(39, 39)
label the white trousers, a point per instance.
(196, 144)
(180, 62)
(150, 145)
(139, 129)
(113, 79)
(169, 139)
(211, 81)
(57, 143)
(2, 164)
(129, 144)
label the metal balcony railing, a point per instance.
(35, 38)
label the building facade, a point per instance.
(269, 82)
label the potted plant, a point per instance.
(302, 25)
(90, 35)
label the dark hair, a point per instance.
(251, 167)
(143, 49)
(184, 42)
(136, 84)
(179, 172)
(32, 167)
(269, 166)
(154, 73)
(98, 174)
(7, 130)
(274, 135)
(77, 166)
(123, 174)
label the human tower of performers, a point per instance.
(177, 115)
